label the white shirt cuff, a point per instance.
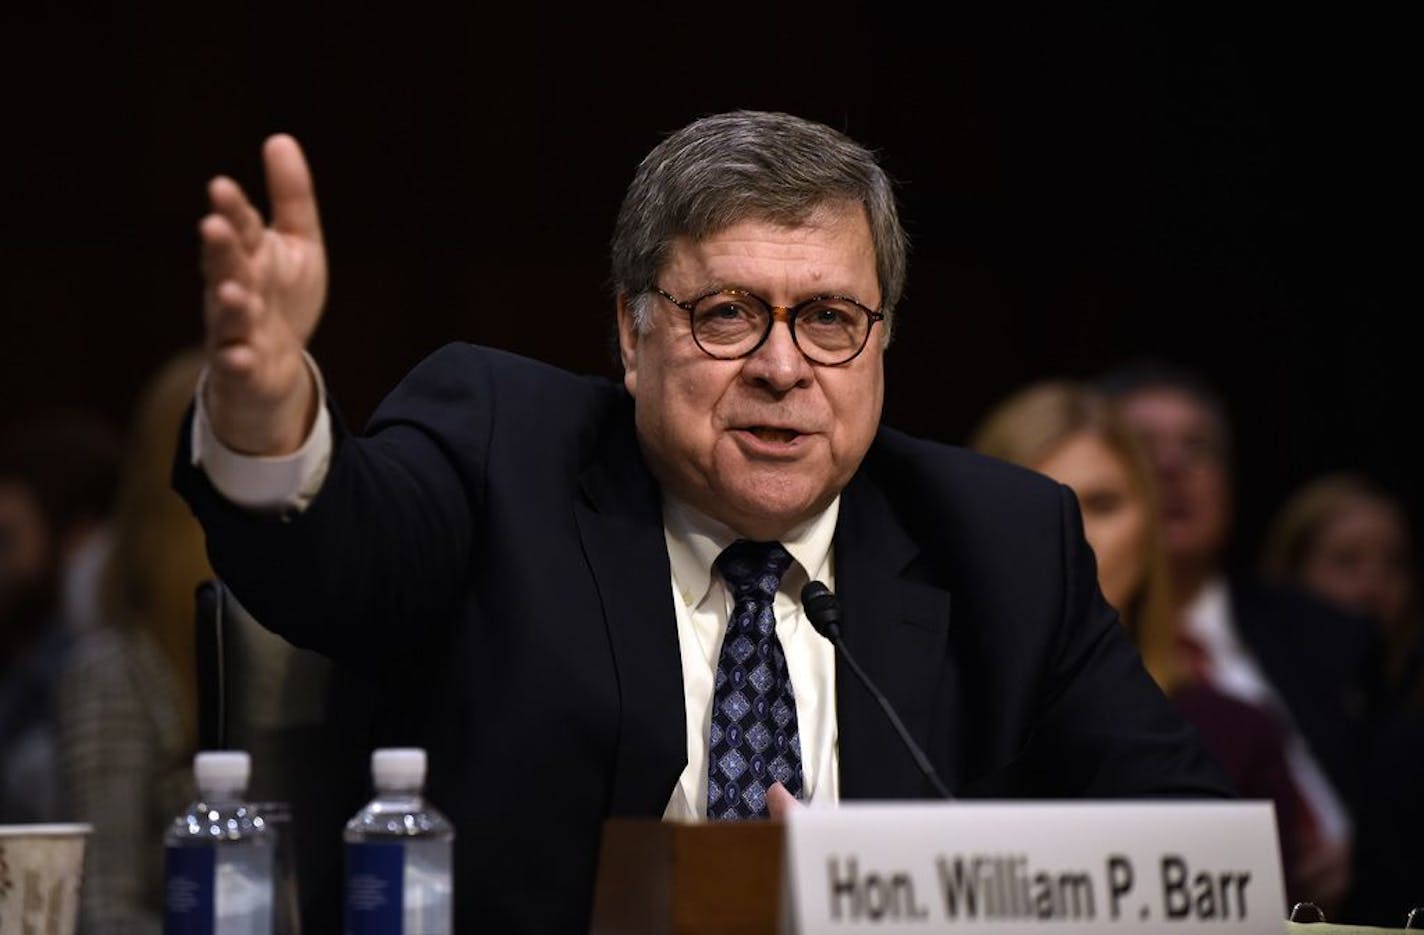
(284, 482)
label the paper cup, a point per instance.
(41, 867)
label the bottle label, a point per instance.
(218, 890)
(375, 886)
(188, 891)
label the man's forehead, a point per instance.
(1173, 418)
(828, 246)
(1165, 407)
(826, 212)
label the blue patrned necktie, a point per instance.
(753, 740)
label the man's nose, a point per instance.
(1169, 459)
(778, 363)
(1166, 455)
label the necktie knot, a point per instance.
(753, 569)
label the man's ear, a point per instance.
(628, 343)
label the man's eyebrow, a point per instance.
(713, 288)
(723, 285)
(726, 286)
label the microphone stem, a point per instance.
(920, 759)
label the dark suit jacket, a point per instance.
(1325, 664)
(492, 555)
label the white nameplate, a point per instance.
(1035, 867)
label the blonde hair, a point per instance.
(158, 556)
(1027, 427)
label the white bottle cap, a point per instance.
(398, 769)
(222, 772)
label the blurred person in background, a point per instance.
(74, 465)
(76, 481)
(32, 645)
(127, 692)
(1346, 538)
(1268, 645)
(57, 475)
(1070, 432)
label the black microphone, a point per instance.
(824, 612)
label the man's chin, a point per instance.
(757, 516)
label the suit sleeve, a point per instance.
(383, 547)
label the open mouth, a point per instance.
(774, 435)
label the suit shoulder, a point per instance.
(1278, 601)
(955, 471)
(474, 379)
(1299, 617)
(462, 359)
(486, 411)
(961, 502)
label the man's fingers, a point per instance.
(233, 314)
(779, 802)
(229, 201)
(289, 185)
(223, 256)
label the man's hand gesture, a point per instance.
(264, 287)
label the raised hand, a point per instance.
(264, 287)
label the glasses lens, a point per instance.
(831, 330)
(729, 324)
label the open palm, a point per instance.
(264, 288)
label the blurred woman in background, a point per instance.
(1071, 433)
(127, 700)
(1347, 539)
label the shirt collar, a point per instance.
(1208, 616)
(694, 540)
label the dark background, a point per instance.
(1082, 183)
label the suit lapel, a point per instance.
(620, 524)
(897, 628)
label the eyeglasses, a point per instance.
(732, 323)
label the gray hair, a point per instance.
(740, 165)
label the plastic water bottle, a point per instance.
(399, 854)
(219, 855)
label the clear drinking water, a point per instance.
(219, 856)
(399, 854)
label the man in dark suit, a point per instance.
(584, 594)
(1309, 664)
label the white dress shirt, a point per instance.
(703, 604)
(1234, 671)
(701, 600)
(286, 482)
